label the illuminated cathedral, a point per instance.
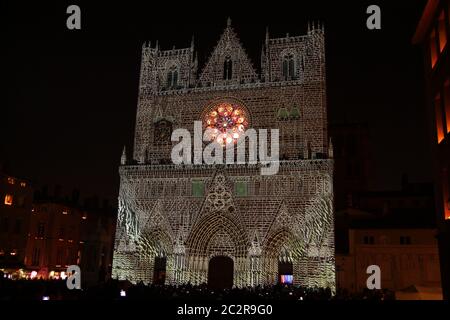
(228, 225)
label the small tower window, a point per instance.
(172, 77)
(288, 68)
(227, 69)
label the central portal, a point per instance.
(220, 272)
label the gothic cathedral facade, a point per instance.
(174, 220)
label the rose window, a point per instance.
(227, 122)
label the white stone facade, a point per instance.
(191, 213)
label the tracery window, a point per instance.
(288, 67)
(227, 121)
(172, 77)
(227, 69)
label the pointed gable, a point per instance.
(229, 63)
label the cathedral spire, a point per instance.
(123, 158)
(228, 22)
(192, 43)
(267, 36)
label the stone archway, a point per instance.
(220, 272)
(216, 234)
(285, 272)
(159, 270)
(155, 250)
(281, 255)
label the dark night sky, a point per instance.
(71, 95)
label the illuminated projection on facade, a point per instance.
(228, 224)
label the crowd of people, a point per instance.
(118, 290)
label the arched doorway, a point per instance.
(285, 272)
(159, 270)
(220, 272)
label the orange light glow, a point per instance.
(439, 122)
(442, 32)
(8, 200)
(433, 49)
(447, 103)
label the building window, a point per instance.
(226, 122)
(439, 121)
(8, 199)
(60, 256)
(227, 69)
(288, 67)
(405, 240)
(11, 180)
(368, 240)
(433, 48)
(198, 189)
(41, 229)
(442, 32)
(447, 103)
(23, 184)
(36, 256)
(446, 192)
(172, 77)
(240, 188)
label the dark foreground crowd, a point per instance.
(116, 290)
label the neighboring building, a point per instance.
(16, 196)
(98, 245)
(406, 257)
(412, 204)
(433, 33)
(62, 233)
(414, 200)
(351, 161)
(54, 239)
(211, 223)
